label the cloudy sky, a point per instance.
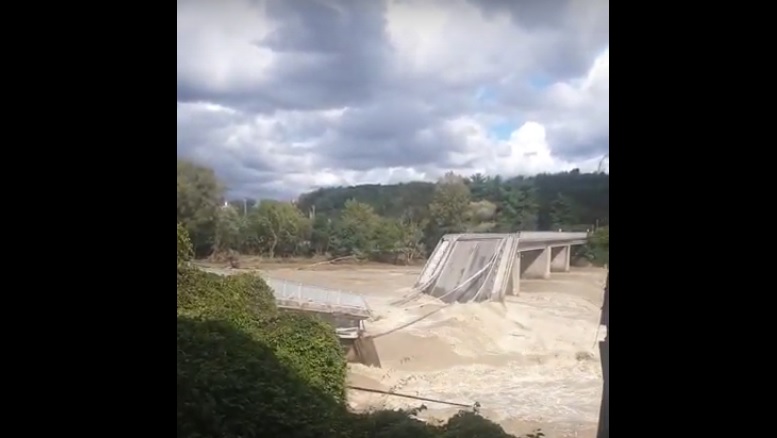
(283, 96)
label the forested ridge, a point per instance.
(392, 223)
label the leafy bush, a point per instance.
(391, 424)
(600, 245)
(401, 423)
(597, 250)
(231, 385)
(258, 293)
(469, 425)
(185, 251)
(245, 300)
(309, 346)
(243, 297)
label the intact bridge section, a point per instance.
(486, 267)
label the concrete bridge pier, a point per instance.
(515, 278)
(560, 256)
(536, 264)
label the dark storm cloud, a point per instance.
(576, 31)
(529, 14)
(333, 51)
(392, 133)
(330, 53)
(197, 134)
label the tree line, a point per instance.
(392, 223)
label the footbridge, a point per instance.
(486, 266)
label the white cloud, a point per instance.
(453, 42)
(579, 107)
(217, 43)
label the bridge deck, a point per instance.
(300, 296)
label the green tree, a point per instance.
(230, 229)
(388, 240)
(321, 234)
(450, 204)
(519, 209)
(199, 197)
(356, 230)
(561, 213)
(597, 249)
(587, 193)
(481, 215)
(278, 226)
(411, 238)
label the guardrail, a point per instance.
(306, 297)
(551, 235)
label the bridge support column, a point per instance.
(559, 258)
(515, 276)
(536, 264)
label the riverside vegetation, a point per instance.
(391, 223)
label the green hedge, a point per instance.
(245, 301)
(231, 385)
(247, 370)
(309, 346)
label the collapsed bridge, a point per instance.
(486, 267)
(345, 310)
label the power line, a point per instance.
(414, 397)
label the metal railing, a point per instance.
(298, 295)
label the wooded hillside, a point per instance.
(392, 223)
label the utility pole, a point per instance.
(606, 158)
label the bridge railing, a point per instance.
(320, 299)
(551, 235)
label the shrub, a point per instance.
(309, 346)
(258, 293)
(243, 299)
(231, 385)
(391, 424)
(469, 424)
(597, 249)
(185, 251)
(401, 423)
